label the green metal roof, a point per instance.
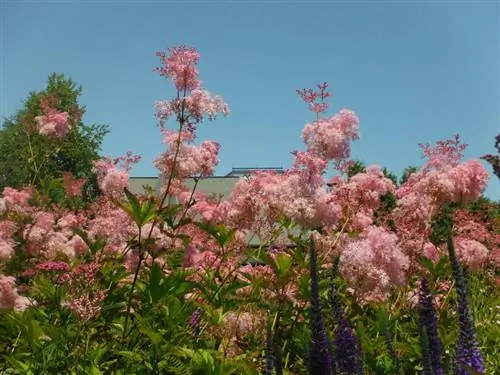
(137, 184)
(216, 185)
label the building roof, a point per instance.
(215, 185)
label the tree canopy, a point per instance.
(30, 158)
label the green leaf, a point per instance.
(132, 356)
(283, 265)
(427, 264)
(156, 286)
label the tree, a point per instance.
(407, 172)
(30, 158)
(391, 176)
(357, 166)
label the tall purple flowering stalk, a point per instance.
(320, 358)
(269, 351)
(431, 344)
(346, 347)
(467, 352)
(194, 322)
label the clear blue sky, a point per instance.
(413, 72)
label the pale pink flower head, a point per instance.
(180, 66)
(473, 253)
(53, 124)
(446, 153)
(73, 186)
(6, 249)
(373, 264)
(202, 102)
(431, 252)
(315, 99)
(114, 182)
(78, 245)
(111, 180)
(16, 199)
(191, 160)
(331, 138)
(9, 297)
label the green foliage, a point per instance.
(355, 167)
(157, 334)
(407, 172)
(26, 157)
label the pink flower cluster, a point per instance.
(360, 195)
(190, 160)
(180, 66)
(7, 229)
(316, 99)
(84, 294)
(342, 215)
(53, 124)
(111, 180)
(373, 264)
(9, 297)
(331, 138)
(73, 186)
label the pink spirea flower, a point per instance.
(16, 198)
(473, 253)
(53, 266)
(53, 124)
(9, 297)
(191, 160)
(180, 66)
(73, 186)
(444, 178)
(7, 230)
(315, 99)
(373, 264)
(331, 138)
(111, 180)
(6, 249)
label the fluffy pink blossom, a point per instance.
(315, 99)
(111, 180)
(112, 224)
(73, 186)
(431, 252)
(9, 297)
(77, 245)
(6, 249)
(191, 108)
(360, 196)
(16, 199)
(373, 264)
(7, 230)
(180, 66)
(444, 178)
(331, 138)
(473, 253)
(202, 103)
(191, 160)
(53, 124)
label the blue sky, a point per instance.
(413, 72)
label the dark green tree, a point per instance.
(407, 172)
(29, 158)
(357, 166)
(391, 176)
